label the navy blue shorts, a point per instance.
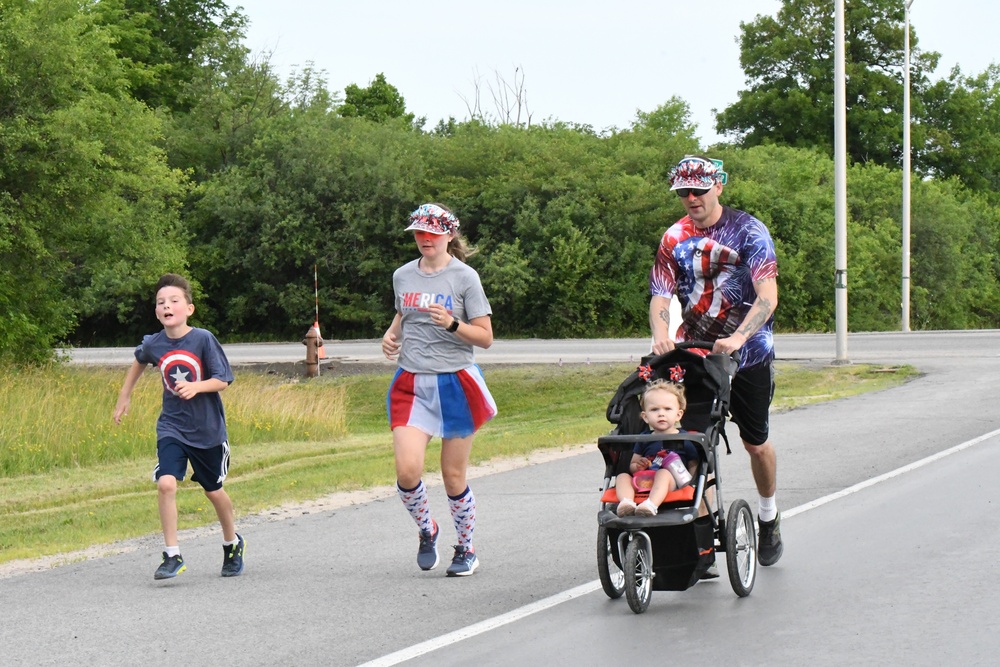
(210, 466)
(750, 402)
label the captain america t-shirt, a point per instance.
(201, 421)
(712, 271)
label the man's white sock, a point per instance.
(767, 509)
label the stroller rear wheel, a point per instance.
(612, 577)
(638, 573)
(741, 548)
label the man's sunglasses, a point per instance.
(697, 192)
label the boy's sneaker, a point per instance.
(464, 563)
(232, 560)
(427, 554)
(769, 546)
(170, 567)
(645, 508)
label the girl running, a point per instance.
(442, 314)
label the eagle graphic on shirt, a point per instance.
(709, 282)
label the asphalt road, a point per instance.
(900, 569)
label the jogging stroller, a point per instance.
(675, 548)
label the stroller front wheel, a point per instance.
(612, 577)
(638, 573)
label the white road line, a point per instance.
(887, 476)
(483, 626)
(573, 593)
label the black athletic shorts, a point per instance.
(210, 465)
(750, 401)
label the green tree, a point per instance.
(790, 190)
(224, 107)
(788, 61)
(162, 39)
(954, 264)
(567, 221)
(955, 267)
(87, 204)
(963, 128)
(379, 102)
(672, 118)
(314, 188)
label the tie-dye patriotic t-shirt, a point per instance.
(712, 272)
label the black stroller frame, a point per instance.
(673, 549)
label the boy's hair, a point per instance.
(662, 385)
(174, 280)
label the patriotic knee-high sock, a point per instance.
(416, 503)
(463, 514)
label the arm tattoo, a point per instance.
(757, 318)
(664, 315)
(759, 313)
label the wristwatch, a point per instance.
(453, 327)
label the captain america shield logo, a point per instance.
(179, 366)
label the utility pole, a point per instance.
(840, 182)
(906, 168)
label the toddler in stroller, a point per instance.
(673, 546)
(653, 469)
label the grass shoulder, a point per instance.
(70, 479)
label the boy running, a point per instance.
(192, 423)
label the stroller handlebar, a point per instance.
(705, 345)
(733, 359)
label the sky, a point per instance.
(593, 62)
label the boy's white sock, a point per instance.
(172, 551)
(767, 509)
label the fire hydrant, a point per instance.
(313, 343)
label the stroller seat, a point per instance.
(683, 495)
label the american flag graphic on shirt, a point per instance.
(712, 272)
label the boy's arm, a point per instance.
(125, 395)
(188, 390)
(218, 373)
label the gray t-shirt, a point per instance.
(201, 421)
(427, 347)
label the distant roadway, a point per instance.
(881, 347)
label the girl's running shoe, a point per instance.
(464, 563)
(427, 554)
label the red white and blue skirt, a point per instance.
(443, 405)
